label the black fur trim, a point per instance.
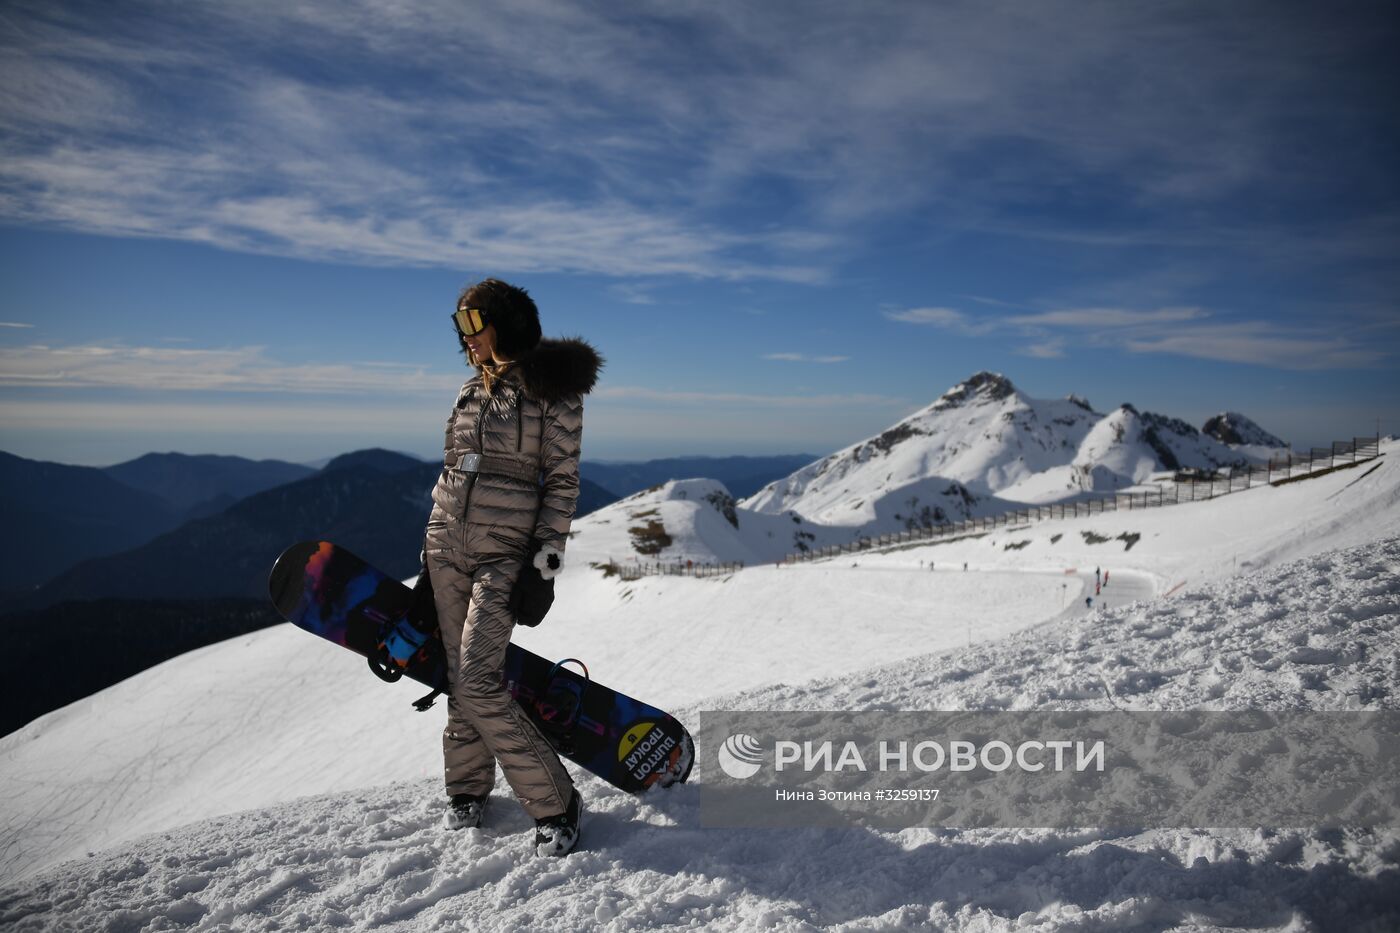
(559, 368)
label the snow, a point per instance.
(377, 859)
(988, 438)
(983, 448)
(269, 782)
(700, 521)
(979, 437)
(1114, 454)
(1316, 633)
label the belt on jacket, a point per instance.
(485, 463)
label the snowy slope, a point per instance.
(1317, 633)
(259, 720)
(1192, 543)
(1320, 632)
(264, 718)
(697, 520)
(691, 519)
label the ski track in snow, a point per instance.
(1317, 633)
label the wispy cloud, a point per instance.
(346, 168)
(1098, 318)
(240, 369)
(14, 324)
(93, 190)
(941, 317)
(1052, 349)
(947, 319)
(599, 145)
(1255, 342)
(1181, 331)
(633, 293)
(804, 358)
(993, 302)
(256, 417)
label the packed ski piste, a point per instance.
(270, 782)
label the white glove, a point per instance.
(549, 561)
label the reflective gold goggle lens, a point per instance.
(470, 321)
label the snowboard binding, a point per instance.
(402, 642)
(561, 700)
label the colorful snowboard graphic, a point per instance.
(332, 593)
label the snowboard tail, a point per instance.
(335, 595)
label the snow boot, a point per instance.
(465, 811)
(557, 835)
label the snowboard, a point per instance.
(330, 592)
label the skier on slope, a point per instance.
(508, 488)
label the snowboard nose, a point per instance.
(284, 584)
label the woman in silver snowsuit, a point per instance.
(509, 483)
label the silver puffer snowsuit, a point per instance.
(527, 433)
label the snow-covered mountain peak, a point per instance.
(1231, 427)
(682, 489)
(1172, 425)
(994, 442)
(1121, 450)
(984, 388)
(709, 494)
(1127, 446)
(946, 460)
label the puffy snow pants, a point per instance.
(484, 723)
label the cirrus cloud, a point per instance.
(1181, 331)
(804, 358)
(236, 369)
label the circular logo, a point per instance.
(741, 756)
(631, 737)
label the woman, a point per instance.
(509, 484)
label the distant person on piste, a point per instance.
(500, 518)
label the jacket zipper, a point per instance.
(469, 479)
(519, 422)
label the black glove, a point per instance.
(533, 593)
(424, 607)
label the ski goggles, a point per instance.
(470, 321)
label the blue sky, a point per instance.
(240, 228)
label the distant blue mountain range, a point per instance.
(190, 527)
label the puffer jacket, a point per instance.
(528, 431)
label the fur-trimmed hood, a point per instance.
(558, 368)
